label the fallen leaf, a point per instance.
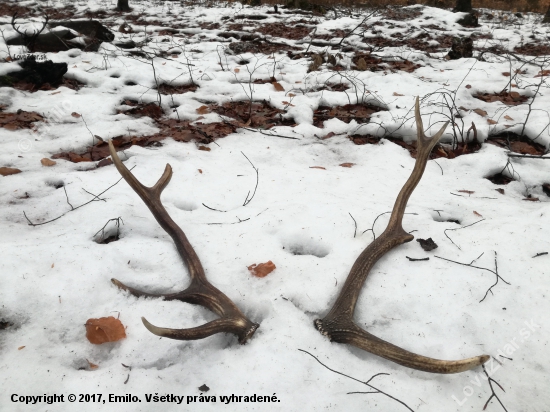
(347, 164)
(397, 94)
(506, 74)
(20, 347)
(317, 167)
(75, 114)
(92, 365)
(200, 171)
(491, 121)
(481, 112)
(543, 73)
(470, 192)
(6, 171)
(468, 86)
(103, 330)
(48, 162)
(278, 87)
(287, 103)
(328, 136)
(501, 191)
(508, 117)
(532, 199)
(291, 95)
(203, 110)
(237, 70)
(204, 148)
(477, 214)
(263, 269)
(427, 244)
(53, 264)
(204, 388)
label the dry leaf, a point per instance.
(501, 191)
(543, 73)
(6, 171)
(361, 64)
(317, 167)
(477, 214)
(291, 95)
(200, 171)
(278, 87)
(203, 110)
(103, 330)
(92, 365)
(75, 114)
(20, 347)
(328, 136)
(481, 112)
(508, 117)
(468, 86)
(287, 103)
(263, 269)
(397, 94)
(236, 70)
(53, 264)
(532, 199)
(506, 74)
(47, 162)
(204, 148)
(470, 192)
(347, 164)
(491, 121)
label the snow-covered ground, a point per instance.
(54, 277)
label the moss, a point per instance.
(7, 81)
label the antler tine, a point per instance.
(13, 24)
(200, 290)
(339, 325)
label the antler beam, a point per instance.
(200, 291)
(339, 325)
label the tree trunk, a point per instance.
(547, 15)
(122, 5)
(463, 6)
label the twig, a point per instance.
(373, 223)
(540, 254)
(355, 231)
(364, 383)
(495, 272)
(247, 200)
(96, 198)
(417, 260)
(458, 228)
(118, 220)
(215, 210)
(493, 394)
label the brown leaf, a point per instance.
(92, 365)
(263, 269)
(347, 164)
(103, 330)
(532, 199)
(477, 214)
(6, 171)
(48, 162)
(543, 73)
(203, 110)
(200, 171)
(482, 113)
(506, 74)
(397, 94)
(523, 148)
(468, 86)
(470, 192)
(491, 121)
(508, 117)
(291, 95)
(75, 114)
(278, 87)
(427, 244)
(21, 347)
(501, 191)
(236, 70)
(317, 167)
(328, 136)
(204, 148)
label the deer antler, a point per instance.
(29, 40)
(200, 291)
(339, 326)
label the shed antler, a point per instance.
(339, 326)
(200, 291)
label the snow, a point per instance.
(54, 277)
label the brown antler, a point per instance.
(200, 291)
(29, 41)
(339, 326)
